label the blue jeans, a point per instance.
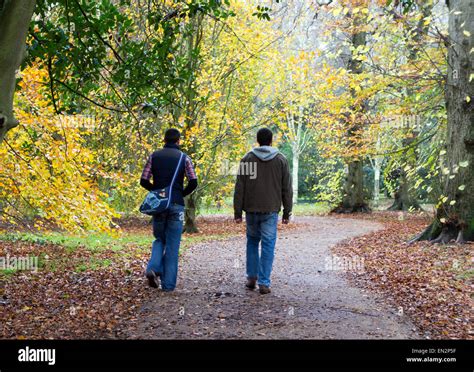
(261, 227)
(167, 229)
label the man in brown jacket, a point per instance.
(263, 185)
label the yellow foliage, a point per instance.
(46, 170)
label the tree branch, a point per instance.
(87, 98)
(117, 56)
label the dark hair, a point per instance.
(172, 135)
(264, 137)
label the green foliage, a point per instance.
(135, 54)
(263, 12)
(304, 208)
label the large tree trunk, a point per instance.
(404, 196)
(188, 108)
(455, 218)
(190, 225)
(404, 200)
(15, 17)
(353, 198)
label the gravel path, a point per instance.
(307, 301)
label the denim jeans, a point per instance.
(167, 229)
(261, 227)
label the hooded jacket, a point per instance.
(263, 183)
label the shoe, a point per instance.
(263, 289)
(251, 283)
(152, 279)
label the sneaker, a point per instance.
(264, 289)
(152, 279)
(251, 283)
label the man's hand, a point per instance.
(238, 220)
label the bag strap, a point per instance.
(177, 169)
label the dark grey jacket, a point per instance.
(263, 183)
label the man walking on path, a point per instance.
(167, 226)
(260, 193)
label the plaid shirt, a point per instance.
(188, 169)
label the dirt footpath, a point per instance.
(308, 301)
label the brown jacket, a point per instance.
(263, 183)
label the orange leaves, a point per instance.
(430, 282)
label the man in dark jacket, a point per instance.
(263, 185)
(167, 226)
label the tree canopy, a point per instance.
(357, 89)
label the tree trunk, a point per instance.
(190, 225)
(188, 108)
(298, 137)
(353, 199)
(455, 218)
(404, 200)
(296, 161)
(15, 17)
